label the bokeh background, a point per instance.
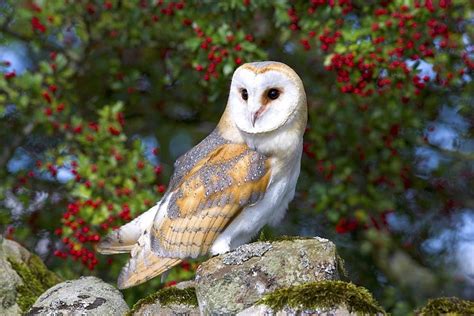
(98, 99)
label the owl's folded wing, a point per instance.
(200, 207)
(231, 178)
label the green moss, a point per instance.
(323, 295)
(36, 279)
(341, 268)
(448, 306)
(168, 296)
(267, 235)
(46, 277)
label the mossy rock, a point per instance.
(234, 281)
(36, 279)
(447, 306)
(266, 235)
(32, 276)
(323, 297)
(168, 301)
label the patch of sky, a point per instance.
(424, 68)
(21, 160)
(17, 55)
(64, 174)
(428, 160)
(148, 144)
(398, 221)
(443, 136)
(458, 241)
(289, 47)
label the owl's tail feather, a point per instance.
(123, 239)
(143, 268)
(109, 246)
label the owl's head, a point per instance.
(264, 96)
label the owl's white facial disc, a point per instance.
(262, 100)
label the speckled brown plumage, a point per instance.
(203, 203)
(208, 197)
(187, 161)
(139, 271)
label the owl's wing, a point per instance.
(199, 208)
(218, 187)
(126, 237)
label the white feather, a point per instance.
(281, 190)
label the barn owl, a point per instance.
(225, 189)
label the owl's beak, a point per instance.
(254, 117)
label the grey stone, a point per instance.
(156, 308)
(245, 252)
(185, 284)
(84, 296)
(232, 282)
(263, 310)
(9, 280)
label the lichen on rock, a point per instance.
(245, 252)
(87, 295)
(168, 301)
(447, 306)
(323, 296)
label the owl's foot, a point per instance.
(220, 246)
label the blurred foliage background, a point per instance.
(98, 98)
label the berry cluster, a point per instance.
(215, 53)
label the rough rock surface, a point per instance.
(9, 280)
(23, 277)
(264, 310)
(177, 300)
(234, 281)
(85, 296)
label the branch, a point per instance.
(46, 44)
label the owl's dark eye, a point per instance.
(245, 94)
(273, 94)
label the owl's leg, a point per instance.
(220, 246)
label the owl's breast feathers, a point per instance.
(207, 198)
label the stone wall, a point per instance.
(292, 276)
